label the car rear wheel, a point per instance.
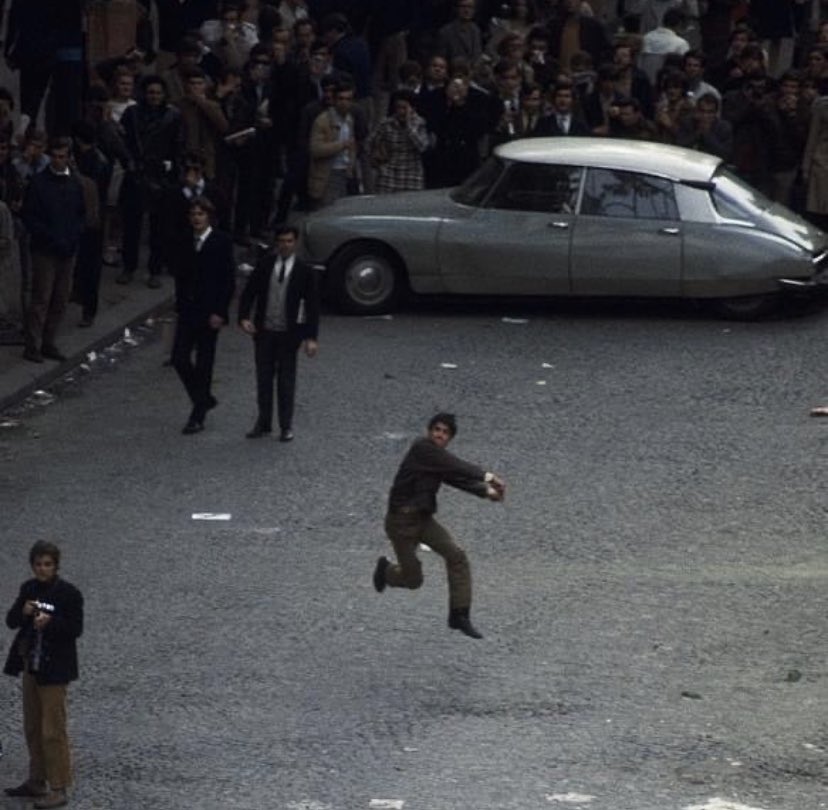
(746, 307)
(366, 279)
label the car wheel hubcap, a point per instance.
(369, 280)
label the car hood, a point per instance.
(782, 221)
(429, 204)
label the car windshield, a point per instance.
(475, 190)
(736, 199)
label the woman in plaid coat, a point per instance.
(396, 147)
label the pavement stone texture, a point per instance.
(652, 593)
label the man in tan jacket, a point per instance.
(333, 150)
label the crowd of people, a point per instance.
(268, 107)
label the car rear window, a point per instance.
(612, 193)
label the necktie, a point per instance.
(197, 243)
(281, 270)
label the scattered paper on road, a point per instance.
(211, 516)
(541, 382)
(387, 804)
(515, 320)
(547, 365)
(448, 365)
(721, 804)
(570, 798)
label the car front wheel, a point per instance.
(366, 280)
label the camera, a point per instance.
(44, 607)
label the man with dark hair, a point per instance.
(562, 118)
(333, 149)
(48, 617)
(204, 284)
(94, 173)
(629, 122)
(706, 132)
(280, 309)
(154, 137)
(410, 521)
(54, 214)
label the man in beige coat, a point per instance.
(333, 150)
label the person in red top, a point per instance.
(410, 521)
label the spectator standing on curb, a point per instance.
(410, 521)
(461, 37)
(333, 150)
(55, 216)
(94, 172)
(396, 146)
(154, 137)
(48, 617)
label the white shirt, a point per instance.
(275, 317)
(663, 41)
(342, 160)
(198, 240)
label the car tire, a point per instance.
(746, 307)
(366, 279)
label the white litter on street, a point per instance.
(211, 516)
(547, 365)
(515, 320)
(721, 804)
(377, 317)
(387, 804)
(570, 798)
(448, 365)
(541, 382)
(394, 436)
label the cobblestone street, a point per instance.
(652, 593)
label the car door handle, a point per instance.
(670, 231)
(561, 226)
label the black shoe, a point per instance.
(29, 790)
(53, 353)
(257, 432)
(379, 574)
(286, 436)
(32, 355)
(459, 620)
(211, 403)
(192, 427)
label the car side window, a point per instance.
(609, 193)
(538, 187)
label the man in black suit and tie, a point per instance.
(204, 284)
(282, 294)
(562, 119)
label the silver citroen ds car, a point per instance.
(573, 217)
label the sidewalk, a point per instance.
(120, 306)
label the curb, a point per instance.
(56, 372)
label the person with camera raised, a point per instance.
(48, 617)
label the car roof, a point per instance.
(659, 159)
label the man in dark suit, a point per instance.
(280, 309)
(562, 119)
(204, 284)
